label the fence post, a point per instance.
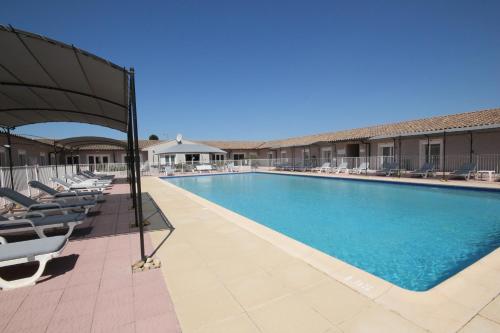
(27, 179)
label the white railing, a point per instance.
(22, 175)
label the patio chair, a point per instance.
(323, 168)
(466, 171)
(54, 194)
(92, 182)
(39, 222)
(99, 176)
(61, 206)
(169, 171)
(388, 168)
(41, 250)
(77, 187)
(204, 168)
(340, 168)
(84, 178)
(363, 167)
(424, 171)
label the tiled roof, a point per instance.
(234, 144)
(438, 123)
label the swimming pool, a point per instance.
(413, 236)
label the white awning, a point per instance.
(43, 80)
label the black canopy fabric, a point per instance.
(43, 80)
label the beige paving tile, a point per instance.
(334, 301)
(208, 307)
(231, 269)
(298, 275)
(256, 289)
(376, 319)
(492, 310)
(434, 312)
(466, 292)
(182, 283)
(288, 315)
(238, 324)
(481, 325)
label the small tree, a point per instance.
(153, 137)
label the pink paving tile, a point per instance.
(113, 316)
(126, 328)
(74, 309)
(85, 276)
(80, 291)
(166, 323)
(114, 298)
(41, 300)
(147, 307)
(34, 319)
(81, 324)
(116, 282)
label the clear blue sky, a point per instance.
(274, 69)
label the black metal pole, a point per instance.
(137, 162)
(9, 143)
(399, 155)
(131, 164)
(55, 159)
(444, 152)
(471, 151)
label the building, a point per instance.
(446, 141)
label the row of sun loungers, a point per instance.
(55, 210)
(466, 171)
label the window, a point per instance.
(193, 158)
(431, 151)
(75, 159)
(253, 156)
(386, 153)
(283, 154)
(98, 159)
(22, 157)
(41, 159)
(306, 154)
(219, 157)
(238, 157)
(326, 154)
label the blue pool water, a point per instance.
(412, 236)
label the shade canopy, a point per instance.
(189, 148)
(43, 80)
(83, 141)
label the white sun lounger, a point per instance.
(41, 250)
(39, 223)
(338, 169)
(363, 167)
(78, 187)
(61, 206)
(325, 167)
(95, 195)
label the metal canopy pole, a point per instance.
(9, 143)
(137, 162)
(55, 159)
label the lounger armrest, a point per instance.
(43, 206)
(3, 240)
(33, 214)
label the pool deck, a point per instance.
(226, 273)
(90, 287)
